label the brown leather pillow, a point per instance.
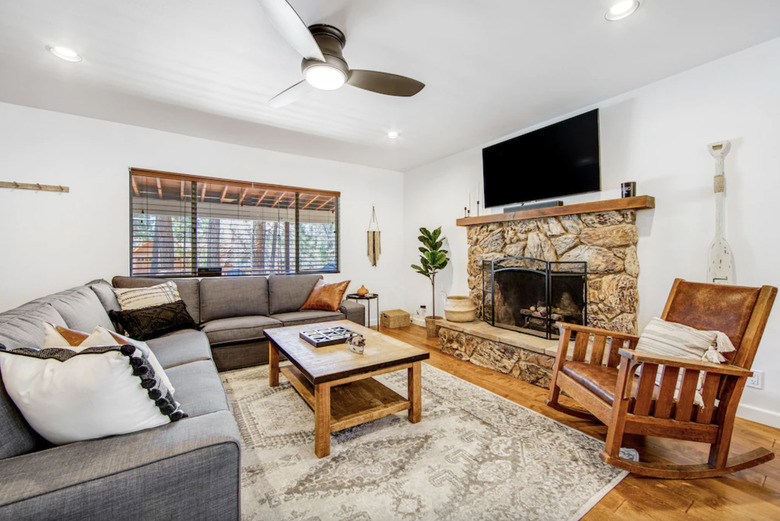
(326, 296)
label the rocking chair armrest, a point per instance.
(596, 331)
(684, 363)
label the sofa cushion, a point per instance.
(198, 387)
(238, 329)
(23, 326)
(51, 387)
(16, 437)
(154, 321)
(62, 337)
(105, 294)
(81, 309)
(226, 297)
(307, 317)
(289, 292)
(180, 347)
(326, 296)
(138, 298)
(189, 290)
(172, 472)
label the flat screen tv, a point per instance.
(561, 159)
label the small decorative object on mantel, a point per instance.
(362, 291)
(720, 268)
(356, 343)
(628, 189)
(374, 240)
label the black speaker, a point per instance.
(532, 206)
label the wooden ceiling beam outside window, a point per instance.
(224, 193)
(260, 198)
(277, 201)
(159, 188)
(323, 204)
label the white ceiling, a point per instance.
(491, 67)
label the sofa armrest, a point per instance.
(186, 468)
(354, 311)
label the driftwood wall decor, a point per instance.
(373, 239)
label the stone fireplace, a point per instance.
(603, 235)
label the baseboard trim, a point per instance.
(758, 415)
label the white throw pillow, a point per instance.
(68, 395)
(673, 339)
(56, 337)
(137, 298)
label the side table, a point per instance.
(368, 297)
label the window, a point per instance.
(184, 225)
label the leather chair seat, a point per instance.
(599, 380)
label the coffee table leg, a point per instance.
(322, 420)
(415, 392)
(273, 364)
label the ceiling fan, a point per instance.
(323, 65)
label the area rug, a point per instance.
(474, 456)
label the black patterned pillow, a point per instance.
(154, 321)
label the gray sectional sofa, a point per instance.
(234, 312)
(189, 469)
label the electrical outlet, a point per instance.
(757, 380)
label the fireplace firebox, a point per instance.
(530, 295)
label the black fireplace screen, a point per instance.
(531, 295)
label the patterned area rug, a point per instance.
(474, 456)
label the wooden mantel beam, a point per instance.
(641, 202)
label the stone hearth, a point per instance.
(522, 356)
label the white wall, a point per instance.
(657, 136)
(52, 241)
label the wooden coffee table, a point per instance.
(338, 383)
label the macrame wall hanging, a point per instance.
(373, 238)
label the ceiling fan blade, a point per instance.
(292, 28)
(290, 95)
(384, 83)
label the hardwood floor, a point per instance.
(751, 494)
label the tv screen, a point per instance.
(562, 159)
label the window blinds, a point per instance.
(185, 225)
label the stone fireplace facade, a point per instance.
(605, 240)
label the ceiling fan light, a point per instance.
(324, 77)
(621, 9)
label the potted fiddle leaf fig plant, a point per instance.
(432, 261)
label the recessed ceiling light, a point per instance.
(64, 53)
(393, 134)
(621, 9)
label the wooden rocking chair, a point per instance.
(601, 374)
